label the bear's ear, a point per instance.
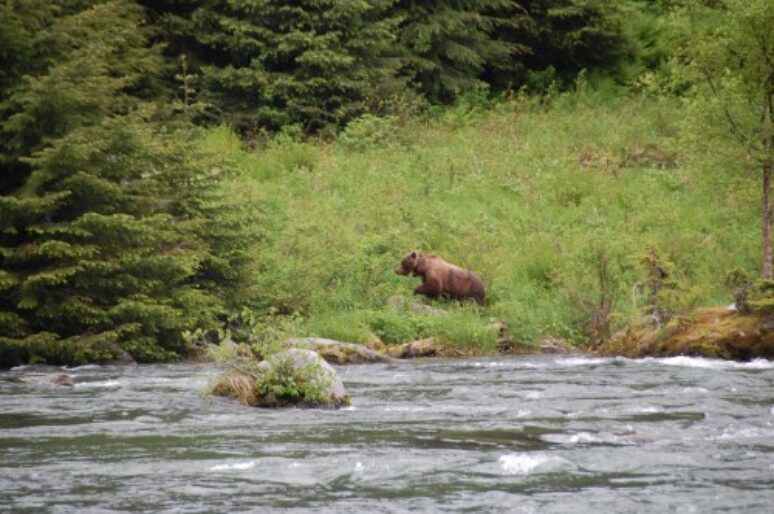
(413, 255)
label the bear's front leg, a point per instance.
(429, 288)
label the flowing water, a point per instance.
(541, 434)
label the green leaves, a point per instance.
(731, 64)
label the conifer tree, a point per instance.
(271, 63)
(447, 45)
(102, 246)
(565, 35)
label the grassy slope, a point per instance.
(535, 199)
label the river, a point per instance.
(535, 434)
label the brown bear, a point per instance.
(439, 278)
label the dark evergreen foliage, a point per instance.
(105, 243)
(267, 64)
(446, 45)
(570, 35)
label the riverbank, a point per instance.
(714, 333)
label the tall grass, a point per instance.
(552, 201)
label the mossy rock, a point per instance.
(337, 352)
(429, 347)
(716, 333)
(293, 377)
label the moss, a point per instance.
(715, 333)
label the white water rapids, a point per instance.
(548, 434)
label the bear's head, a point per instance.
(411, 263)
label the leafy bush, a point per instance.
(367, 131)
(287, 385)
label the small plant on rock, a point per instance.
(286, 385)
(659, 283)
(741, 284)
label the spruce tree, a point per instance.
(566, 36)
(102, 229)
(448, 44)
(269, 63)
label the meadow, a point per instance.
(555, 201)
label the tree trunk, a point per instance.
(767, 275)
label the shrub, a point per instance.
(286, 385)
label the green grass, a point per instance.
(541, 200)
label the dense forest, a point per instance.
(177, 172)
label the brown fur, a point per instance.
(440, 278)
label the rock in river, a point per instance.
(338, 352)
(48, 379)
(292, 377)
(422, 348)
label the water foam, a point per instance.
(621, 437)
(645, 410)
(705, 363)
(530, 463)
(492, 364)
(582, 361)
(101, 384)
(695, 390)
(740, 433)
(238, 466)
(577, 438)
